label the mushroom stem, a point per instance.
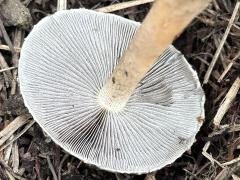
(165, 21)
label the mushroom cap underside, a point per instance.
(64, 63)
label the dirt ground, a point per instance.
(214, 155)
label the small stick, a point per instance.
(37, 169)
(15, 157)
(208, 156)
(7, 69)
(222, 174)
(235, 177)
(18, 135)
(202, 168)
(227, 102)
(7, 151)
(7, 75)
(5, 47)
(17, 43)
(6, 37)
(225, 128)
(220, 95)
(4, 139)
(61, 5)
(191, 174)
(14, 125)
(123, 5)
(217, 53)
(10, 170)
(166, 19)
(228, 67)
(231, 162)
(51, 168)
(60, 166)
(10, 176)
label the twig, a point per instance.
(14, 82)
(7, 151)
(228, 67)
(220, 95)
(60, 166)
(10, 176)
(202, 168)
(223, 173)
(61, 5)
(217, 53)
(235, 177)
(5, 138)
(17, 43)
(225, 128)
(208, 156)
(7, 75)
(3, 173)
(123, 5)
(227, 102)
(18, 135)
(51, 168)
(191, 174)
(231, 162)
(10, 170)
(7, 69)
(5, 47)
(227, 172)
(6, 37)
(37, 169)
(15, 157)
(18, 122)
(14, 125)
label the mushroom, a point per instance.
(127, 115)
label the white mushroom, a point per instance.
(66, 61)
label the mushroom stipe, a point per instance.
(64, 63)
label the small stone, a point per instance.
(14, 13)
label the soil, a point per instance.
(198, 43)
